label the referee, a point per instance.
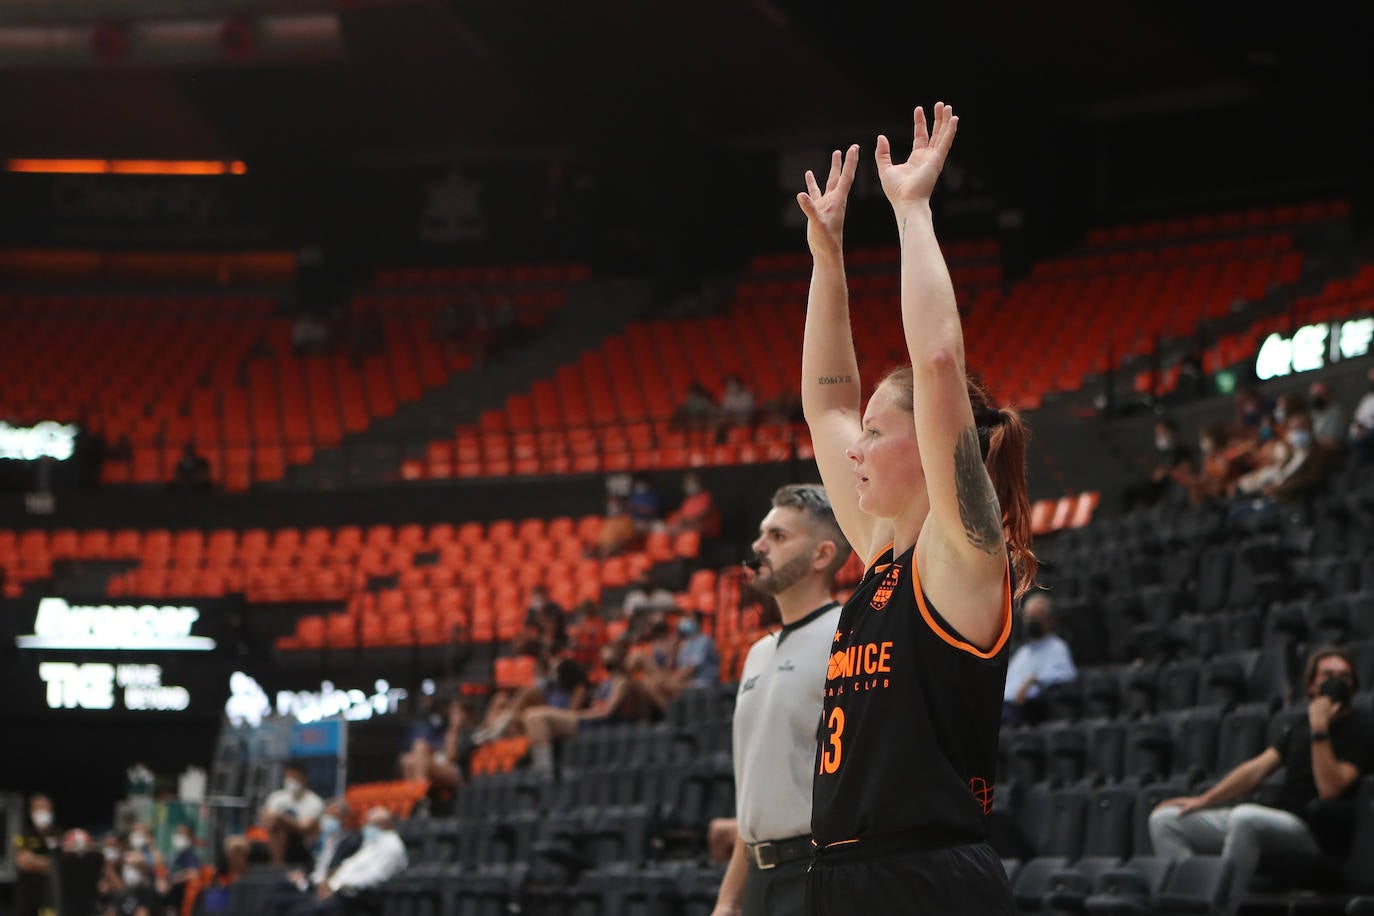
(798, 552)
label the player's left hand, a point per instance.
(913, 181)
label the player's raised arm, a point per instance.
(831, 393)
(965, 516)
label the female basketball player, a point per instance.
(932, 479)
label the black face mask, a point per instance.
(1319, 403)
(1338, 689)
(1034, 629)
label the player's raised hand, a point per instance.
(913, 181)
(824, 208)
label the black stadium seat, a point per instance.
(1196, 884)
(1130, 889)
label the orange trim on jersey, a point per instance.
(879, 555)
(952, 640)
(840, 843)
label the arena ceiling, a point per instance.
(512, 77)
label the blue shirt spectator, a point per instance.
(697, 658)
(1042, 661)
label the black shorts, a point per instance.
(954, 881)
(777, 891)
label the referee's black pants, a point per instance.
(779, 891)
(954, 881)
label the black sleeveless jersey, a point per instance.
(908, 731)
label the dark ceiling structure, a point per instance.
(1063, 85)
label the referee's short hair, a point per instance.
(810, 500)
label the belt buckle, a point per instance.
(757, 851)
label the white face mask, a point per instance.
(294, 786)
(139, 841)
(181, 842)
(42, 818)
(133, 877)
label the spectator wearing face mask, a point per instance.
(141, 839)
(1328, 420)
(139, 896)
(291, 815)
(111, 882)
(338, 841)
(698, 662)
(1308, 464)
(1323, 756)
(184, 867)
(1042, 661)
(34, 848)
(1171, 460)
(381, 857)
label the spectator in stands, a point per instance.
(662, 644)
(645, 505)
(567, 685)
(1042, 661)
(698, 662)
(192, 470)
(442, 761)
(310, 334)
(291, 815)
(185, 864)
(736, 402)
(110, 881)
(698, 410)
(546, 619)
(1362, 424)
(338, 842)
(799, 551)
(1217, 471)
(39, 840)
(1172, 459)
(1270, 456)
(1286, 406)
(617, 530)
(1328, 420)
(1309, 465)
(619, 698)
(1250, 412)
(138, 895)
(697, 511)
(381, 857)
(141, 838)
(1323, 755)
(237, 852)
(428, 725)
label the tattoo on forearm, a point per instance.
(834, 379)
(978, 507)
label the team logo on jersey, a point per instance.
(889, 585)
(982, 791)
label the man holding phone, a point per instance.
(1323, 755)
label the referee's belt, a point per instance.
(771, 854)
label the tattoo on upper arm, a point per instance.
(978, 507)
(834, 379)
